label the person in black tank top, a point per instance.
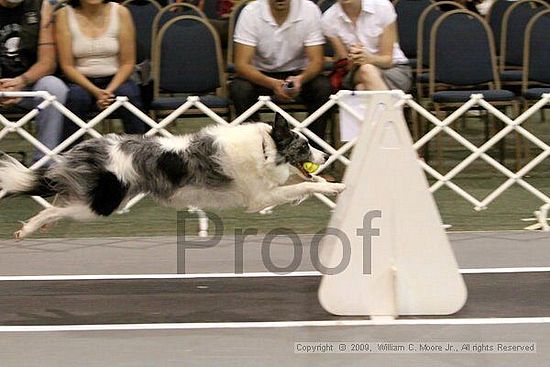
(11, 20)
(27, 60)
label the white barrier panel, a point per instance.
(512, 126)
(401, 262)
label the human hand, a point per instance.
(358, 55)
(11, 85)
(280, 92)
(104, 99)
(293, 85)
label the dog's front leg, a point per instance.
(290, 193)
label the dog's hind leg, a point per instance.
(48, 216)
(290, 193)
(46, 227)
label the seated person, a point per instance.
(278, 42)
(96, 43)
(365, 33)
(26, 62)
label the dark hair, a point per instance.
(76, 3)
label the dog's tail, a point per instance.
(16, 179)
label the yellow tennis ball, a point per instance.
(311, 167)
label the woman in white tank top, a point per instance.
(96, 47)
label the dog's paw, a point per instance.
(331, 188)
(339, 187)
(19, 235)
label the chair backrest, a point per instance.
(494, 18)
(143, 13)
(462, 51)
(233, 17)
(169, 12)
(512, 32)
(408, 12)
(425, 23)
(537, 50)
(211, 9)
(188, 58)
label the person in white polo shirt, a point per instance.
(279, 52)
(365, 33)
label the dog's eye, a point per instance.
(304, 147)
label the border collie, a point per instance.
(217, 167)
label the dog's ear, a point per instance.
(281, 129)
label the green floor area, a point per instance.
(148, 219)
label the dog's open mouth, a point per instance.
(305, 174)
(303, 171)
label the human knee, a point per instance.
(240, 87)
(128, 89)
(54, 86)
(367, 72)
(78, 96)
(321, 86)
(243, 94)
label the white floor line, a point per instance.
(532, 269)
(157, 276)
(233, 275)
(277, 324)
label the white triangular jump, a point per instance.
(408, 267)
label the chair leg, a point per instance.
(154, 116)
(419, 91)
(493, 126)
(522, 148)
(107, 125)
(518, 150)
(463, 121)
(439, 140)
(413, 116)
(499, 125)
(335, 131)
(526, 151)
(423, 127)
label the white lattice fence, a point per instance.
(511, 126)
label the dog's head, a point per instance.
(293, 148)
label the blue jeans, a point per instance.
(49, 122)
(81, 102)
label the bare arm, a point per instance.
(45, 62)
(384, 58)
(315, 55)
(340, 50)
(127, 52)
(246, 70)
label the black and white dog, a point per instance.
(218, 167)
